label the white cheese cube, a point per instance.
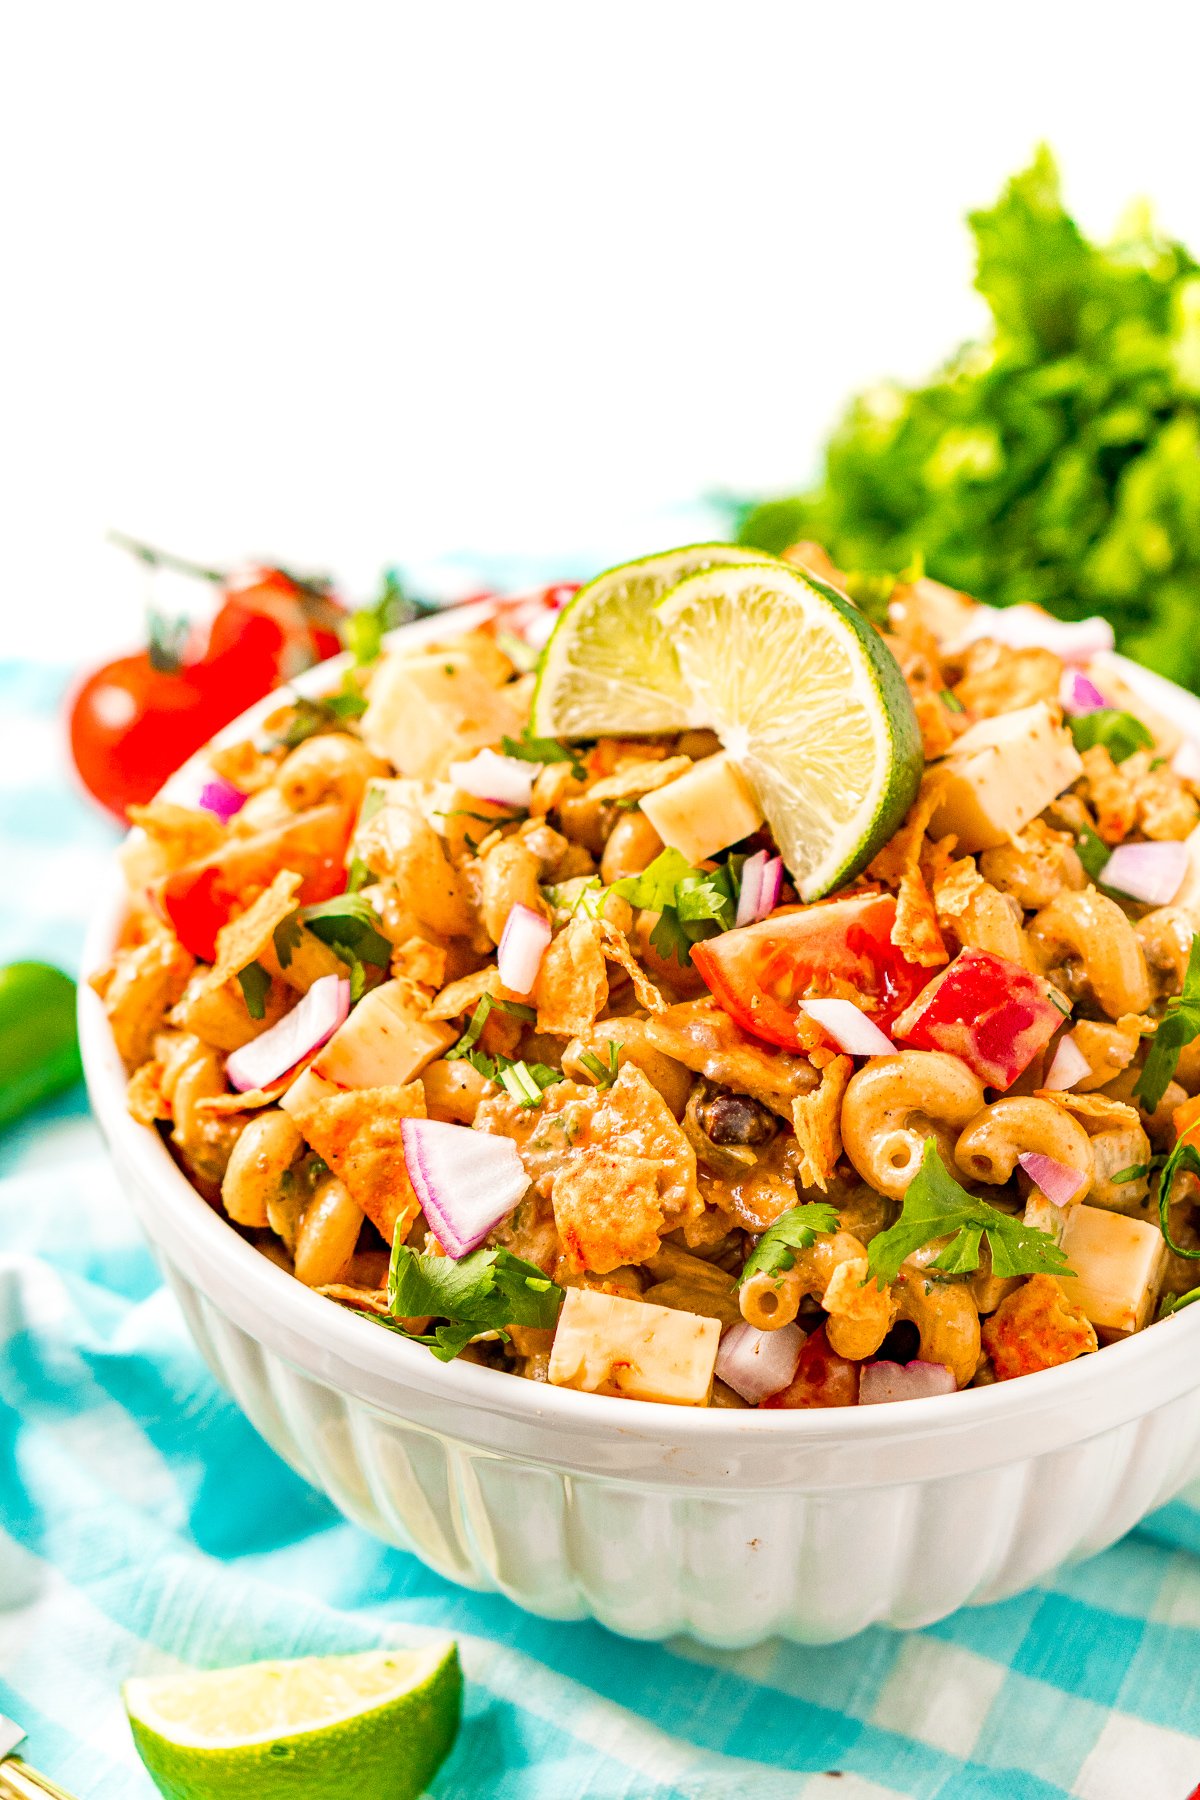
(607, 1345)
(1000, 774)
(425, 711)
(705, 810)
(382, 1043)
(1118, 1264)
(305, 1091)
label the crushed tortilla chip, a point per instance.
(464, 995)
(255, 1098)
(1036, 1327)
(244, 939)
(571, 989)
(633, 779)
(177, 835)
(358, 1134)
(608, 1210)
(1110, 794)
(138, 986)
(915, 930)
(359, 1299)
(817, 1121)
(902, 852)
(615, 946)
(1095, 1112)
(936, 725)
(977, 915)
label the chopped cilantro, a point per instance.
(1172, 1303)
(525, 1081)
(691, 903)
(486, 1290)
(363, 631)
(544, 750)
(796, 1229)
(1184, 1158)
(358, 875)
(349, 925)
(951, 701)
(936, 1206)
(300, 720)
(255, 984)
(580, 897)
(1119, 732)
(1092, 852)
(603, 1073)
(1179, 1026)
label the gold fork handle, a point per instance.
(19, 1782)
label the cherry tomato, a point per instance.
(822, 1378)
(992, 1013)
(199, 899)
(134, 721)
(761, 973)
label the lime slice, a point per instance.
(608, 665)
(810, 704)
(379, 1723)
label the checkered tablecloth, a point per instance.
(144, 1527)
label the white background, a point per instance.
(350, 284)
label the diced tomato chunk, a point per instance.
(822, 1378)
(991, 1013)
(200, 898)
(840, 948)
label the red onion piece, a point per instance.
(762, 878)
(849, 1027)
(1077, 695)
(1069, 1066)
(1059, 1182)
(1026, 627)
(1152, 873)
(751, 888)
(504, 780)
(222, 798)
(885, 1381)
(757, 1364)
(1186, 761)
(523, 943)
(466, 1180)
(310, 1024)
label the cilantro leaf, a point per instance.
(486, 1290)
(951, 701)
(349, 925)
(1184, 1159)
(300, 720)
(1119, 732)
(1092, 852)
(936, 1206)
(358, 875)
(580, 897)
(363, 631)
(1176, 1029)
(255, 984)
(544, 750)
(775, 1251)
(692, 903)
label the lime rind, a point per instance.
(380, 1722)
(809, 703)
(608, 666)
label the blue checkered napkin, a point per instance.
(144, 1527)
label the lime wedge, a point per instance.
(608, 666)
(379, 1723)
(810, 704)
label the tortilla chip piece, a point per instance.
(358, 1135)
(464, 995)
(977, 915)
(1095, 1112)
(933, 718)
(138, 986)
(571, 990)
(359, 1299)
(608, 1210)
(902, 852)
(171, 836)
(817, 1121)
(633, 779)
(615, 946)
(915, 930)
(256, 1098)
(245, 938)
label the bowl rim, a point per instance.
(350, 1353)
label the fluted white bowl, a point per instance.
(730, 1526)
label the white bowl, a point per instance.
(729, 1526)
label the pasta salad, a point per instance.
(730, 1002)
